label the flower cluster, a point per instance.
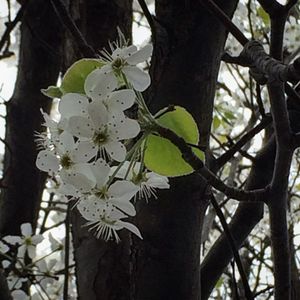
(95, 150)
(39, 271)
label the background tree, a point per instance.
(189, 41)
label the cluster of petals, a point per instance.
(86, 146)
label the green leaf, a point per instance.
(52, 92)
(163, 157)
(264, 16)
(73, 80)
(216, 123)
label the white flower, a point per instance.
(73, 104)
(46, 269)
(105, 219)
(122, 60)
(3, 248)
(117, 194)
(19, 295)
(146, 181)
(104, 131)
(49, 138)
(116, 102)
(27, 242)
(14, 281)
(70, 154)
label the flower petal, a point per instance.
(73, 104)
(31, 250)
(141, 55)
(131, 228)
(122, 189)
(26, 229)
(36, 239)
(84, 152)
(99, 83)
(91, 209)
(116, 150)
(139, 79)
(124, 128)
(124, 52)
(157, 181)
(66, 142)
(12, 239)
(125, 206)
(121, 100)
(79, 181)
(101, 172)
(98, 114)
(47, 161)
(81, 127)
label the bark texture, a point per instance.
(39, 63)
(185, 65)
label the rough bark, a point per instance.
(184, 70)
(39, 63)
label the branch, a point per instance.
(260, 62)
(233, 247)
(198, 166)
(67, 254)
(232, 28)
(65, 18)
(223, 159)
(11, 25)
(148, 16)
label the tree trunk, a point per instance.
(185, 67)
(39, 64)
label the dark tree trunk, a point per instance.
(185, 67)
(39, 64)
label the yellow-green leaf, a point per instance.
(73, 80)
(163, 157)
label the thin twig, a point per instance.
(223, 159)
(11, 25)
(65, 18)
(67, 255)
(234, 30)
(148, 16)
(233, 247)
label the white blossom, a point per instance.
(146, 181)
(121, 61)
(27, 242)
(104, 131)
(69, 154)
(105, 219)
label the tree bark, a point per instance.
(185, 66)
(39, 64)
